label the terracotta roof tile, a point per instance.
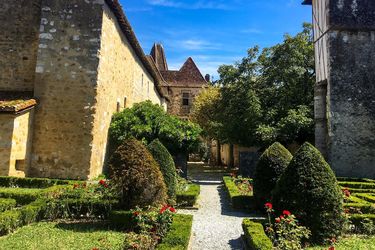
(13, 102)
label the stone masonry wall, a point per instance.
(121, 77)
(66, 81)
(15, 140)
(175, 106)
(19, 25)
(351, 95)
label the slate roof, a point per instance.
(13, 102)
(189, 74)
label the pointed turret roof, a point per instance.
(157, 53)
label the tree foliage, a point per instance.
(147, 121)
(265, 97)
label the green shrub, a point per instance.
(366, 197)
(270, 166)
(255, 237)
(238, 200)
(122, 219)
(21, 195)
(10, 220)
(309, 189)
(166, 164)
(7, 204)
(179, 235)
(136, 176)
(9, 181)
(189, 197)
(360, 185)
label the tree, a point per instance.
(147, 121)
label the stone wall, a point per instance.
(15, 140)
(121, 77)
(175, 106)
(351, 95)
(66, 82)
(19, 25)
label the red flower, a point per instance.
(331, 248)
(163, 209)
(277, 220)
(268, 205)
(346, 192)
(136, 213)
(172, 209)
(75, 186)
(103, 183)
(281, 217)
(95, 248)
(286, 213)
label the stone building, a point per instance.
(182, 86)
(344, 34)
(65, 68)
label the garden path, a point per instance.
(215, 225)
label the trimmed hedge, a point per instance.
(350, 179)
(12, 219)
(122, 219)
(269, 168)
(365, 208)
(9, 181)
(21, 195)
(358, 190)
(238, 200)
(357, 219)
(136, 176)
(360, 185)
(366, 197)
(189, 197)
(256, 238)
(309, 189)
(7, 204)
(178, 237)
(166, 164)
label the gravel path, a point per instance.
(215, 225)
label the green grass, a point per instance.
(238, 200)
(189, 197)
(179, 236)
(353, 242)
(21, 195)
(63, 236)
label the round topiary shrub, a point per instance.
(270, 166)
(309, 189)
(136, 176)
(166, 164)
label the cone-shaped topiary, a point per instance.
(166, 164)
(309, 189)
(136, 176)
(270, 166)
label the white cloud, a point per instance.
(193, 44)
(199, 4)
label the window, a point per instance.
(20, 165)
(142, 81)
(125, 102)
(118, 107)
(148, 88)
(186, 99)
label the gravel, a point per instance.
(215, 224)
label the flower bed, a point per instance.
(240, 192)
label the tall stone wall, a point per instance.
(66, 82)
(121, 78)
(345, 102)
(351, 95)
(19, 25)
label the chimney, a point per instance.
(208, 78)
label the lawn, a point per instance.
(353, 242)
(64, 236)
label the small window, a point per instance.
(185, 99)
(142, 80)
(148, 88)
(125, 102)
(118, 107)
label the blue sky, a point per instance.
(213, 32)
